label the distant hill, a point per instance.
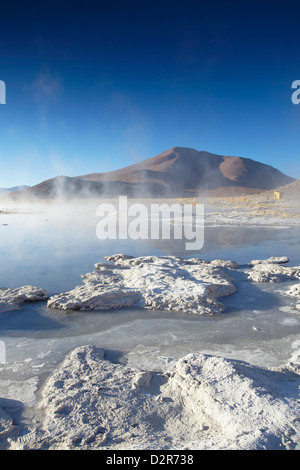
(178, 172)
(290, 191)
(185, 171)
(14, 189)
(71, 187)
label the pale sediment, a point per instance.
(294, 291)
(6, 423)
(199, 402)
(166, 283)
(160, 283)
(11, 299)
(203, 402)
(271, 260)
(272, 270)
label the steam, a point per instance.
(176, 173)
(65, 208)
(45, 90)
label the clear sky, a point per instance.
(95, 86)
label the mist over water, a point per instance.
(51, 244)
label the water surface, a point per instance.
(51, 250)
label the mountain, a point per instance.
(65, 187)
(290, 191)
(185, 171)
(14, 189)
(178, 172)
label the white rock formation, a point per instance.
(272, 260)
(166, 282)
(294, 290)
(6, 423)
(10, 299)
(272, 270)
(205, 402)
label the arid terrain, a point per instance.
(177, 172)
(80, 376)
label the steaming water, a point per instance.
(51, 250)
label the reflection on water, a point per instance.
(53, 253)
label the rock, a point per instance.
(244, 404)
(10, 299)
(294, 363)
(161, 283)
(272, 271)
(93, 297)
(6, 423)
(89, 402)
(294, 290)
(118, 257)
(224, 264)
(141, 380)
(272, 260)
(205, 402)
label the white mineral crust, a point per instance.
(10, 299)
(294, 291)
(204, 402)
(167, 283)
(6, 423)
(272, 260)
(272, 270)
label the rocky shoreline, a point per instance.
(170, 283)
(203, 402)
(200, 401)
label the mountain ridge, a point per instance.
(14, 189)
(187, 169)
(177, 172)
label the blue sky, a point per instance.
(92, 87)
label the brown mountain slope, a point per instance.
(183, 170)
(288, 191)
(178, 172)
(64, 187)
